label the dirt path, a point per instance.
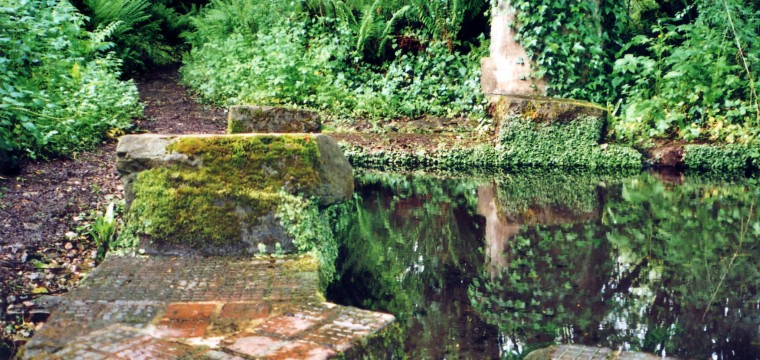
(171, 109)
(45, 209)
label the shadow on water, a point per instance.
(495, 267)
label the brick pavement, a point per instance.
(204, 308)
(582, 352)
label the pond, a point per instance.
(485, 267)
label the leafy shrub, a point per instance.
(689, 79)
(675, 69)
(434, 81)
(60, 93)
(278, 66)
(327, 63)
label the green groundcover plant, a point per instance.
(60, 88)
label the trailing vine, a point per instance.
(572, 44)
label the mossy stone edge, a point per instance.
(218, 195)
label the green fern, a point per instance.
(368, 26)
(335, 9)
(389, 27)
(443, 19)
(375, 29)
(134, 28)
(128, 13)
(99, 37)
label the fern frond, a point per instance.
(367, 25)
(389, 25)
(128, 12)
(99, 37)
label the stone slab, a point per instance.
(269, 119)
(201, 308)
(544, 109)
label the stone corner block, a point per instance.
(544, 109)
(268, 119)
(137, 153)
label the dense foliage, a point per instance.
(572, 43)
(60, 90)
(692, 75)
(352, 58)
(673, 69)
(145, 34)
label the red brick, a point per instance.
(286, 325)
(189, 311)
(255, 345)
(182, 329)
(158, 349)
(245, 311)
(301, 350)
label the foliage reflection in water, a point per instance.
(496, 267)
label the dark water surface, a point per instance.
(495, 267)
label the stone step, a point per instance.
(206, 307)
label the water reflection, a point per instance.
(496, 267)
(498, 230)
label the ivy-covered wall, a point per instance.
(572, 44)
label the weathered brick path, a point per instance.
(204, 308)
(581, 352)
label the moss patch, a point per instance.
(236, 180)
(311, 232)
(255, 162)
(545, 109)
(178, 207)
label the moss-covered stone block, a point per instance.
(309, 164)
(268, 119)
(222, 194)
(544, 109)
(573, 143)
